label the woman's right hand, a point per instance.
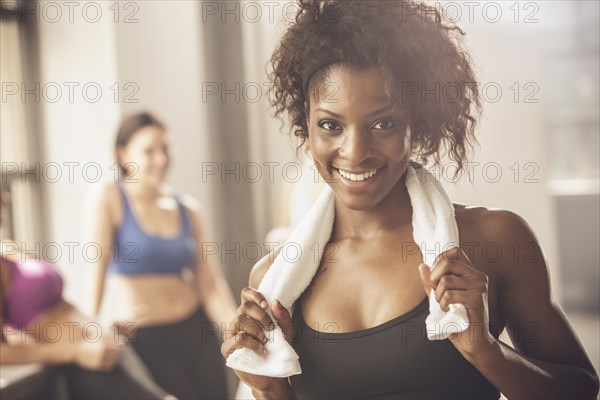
(246, 330)
(102, 355)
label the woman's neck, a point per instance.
(142, 191)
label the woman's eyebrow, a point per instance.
(386, 108)
(378, 111)
(329, 112)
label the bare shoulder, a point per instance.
(501, 226)
(198, 217)
(261, 267)
(491, 222)
(105, 192)
(194, 210)
(190, 203)
(500, 239)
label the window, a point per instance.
(18, 152)
(572, 106)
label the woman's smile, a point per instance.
(358, 180)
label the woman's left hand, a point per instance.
(455, 280)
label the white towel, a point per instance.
(434, 230)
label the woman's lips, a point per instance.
(358, 180)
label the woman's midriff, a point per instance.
(155, 299)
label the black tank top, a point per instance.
(394, 360)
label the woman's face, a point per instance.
(147, 154)
(357, 144)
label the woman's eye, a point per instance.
(385, 124)
(328, 125)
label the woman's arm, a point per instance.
(214, 291)
(14, 352)
(548, 360)
(97, 355)
(20, 348)
(98, 228)
(26, 353)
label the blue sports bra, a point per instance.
(137, 252)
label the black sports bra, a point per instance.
(394, 360)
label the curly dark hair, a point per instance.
(426, 65)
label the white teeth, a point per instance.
(355, 177)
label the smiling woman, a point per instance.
(151, 239)
(426, 74)
(366, 85)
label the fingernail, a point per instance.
(264, 304)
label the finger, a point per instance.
(242, 340)
(453, 268)
(282, 315)
(450, 297)
(257, 313)
(453, 255)
(250, 294)
(251, 328)
(453, 282)
(242, 323)
(471, 299)
(425, 273)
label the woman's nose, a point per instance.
(356, 146)
(161, 158)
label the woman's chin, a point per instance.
(357, 202)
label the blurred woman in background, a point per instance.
(152, 240)
(39, 326)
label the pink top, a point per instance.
(35, 286)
